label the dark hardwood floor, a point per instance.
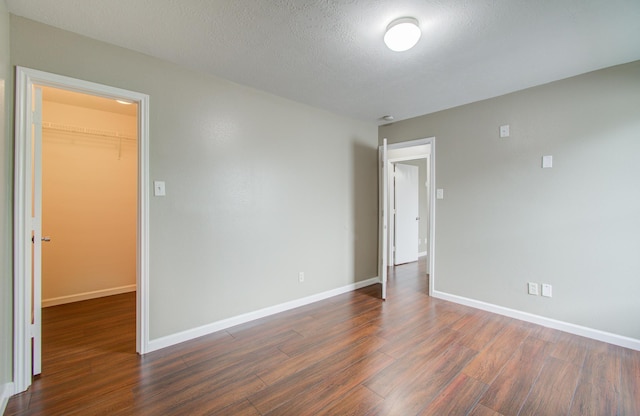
(349, 355)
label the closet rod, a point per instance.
(83, 130)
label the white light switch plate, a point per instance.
(504, 131)
(547, 161)
(440, 193)
(159, 188)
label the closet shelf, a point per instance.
(87, 131)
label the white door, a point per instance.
(36, 234)
(384, 217)
(406, 213)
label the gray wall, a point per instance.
(6, 177)
(258, 187)
(505, 221)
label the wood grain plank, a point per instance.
(477, 334)
(293, 365)
(358, 402)
(629, 398)
(334, 387)
(348, 355)
(241, 408)
(421, 387)
(511, 387)
(553, 390)
(571, 348)
(481, 410)
(286, 388)
(488, 363)
(458, 398)
(410, 367)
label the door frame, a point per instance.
(431, 157)
(25, 80)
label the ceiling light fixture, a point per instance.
(402, 34)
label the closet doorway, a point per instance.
(81, 177)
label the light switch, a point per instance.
(547, 161)
(158, 188)
(504, 131)
(440, 193)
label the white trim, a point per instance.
(583, 331)
(25, 79)
(6, 391)
(21, 228)
(432, 216)
(417, 156)
(77, 297)
(410, 143)
(431, 156)
(190, 334)
(423, 254)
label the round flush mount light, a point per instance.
(402, 34)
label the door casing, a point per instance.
(25, 80)
(385, 199)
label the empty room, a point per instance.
(328, 207)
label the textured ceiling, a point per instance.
(330, 54)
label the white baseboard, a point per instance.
(6, 391)
(189, 334)
(596, 334)
(87, 295)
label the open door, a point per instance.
(36, 232)
(384, 217)
(407, 214)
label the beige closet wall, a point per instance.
(89, 204)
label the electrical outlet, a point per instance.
(301, 277)
(546, 290)
(532, 288)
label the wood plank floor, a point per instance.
(349, 355)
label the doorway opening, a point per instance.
(412, 166)
(88, 189)
(79, 139)
(409, 192)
